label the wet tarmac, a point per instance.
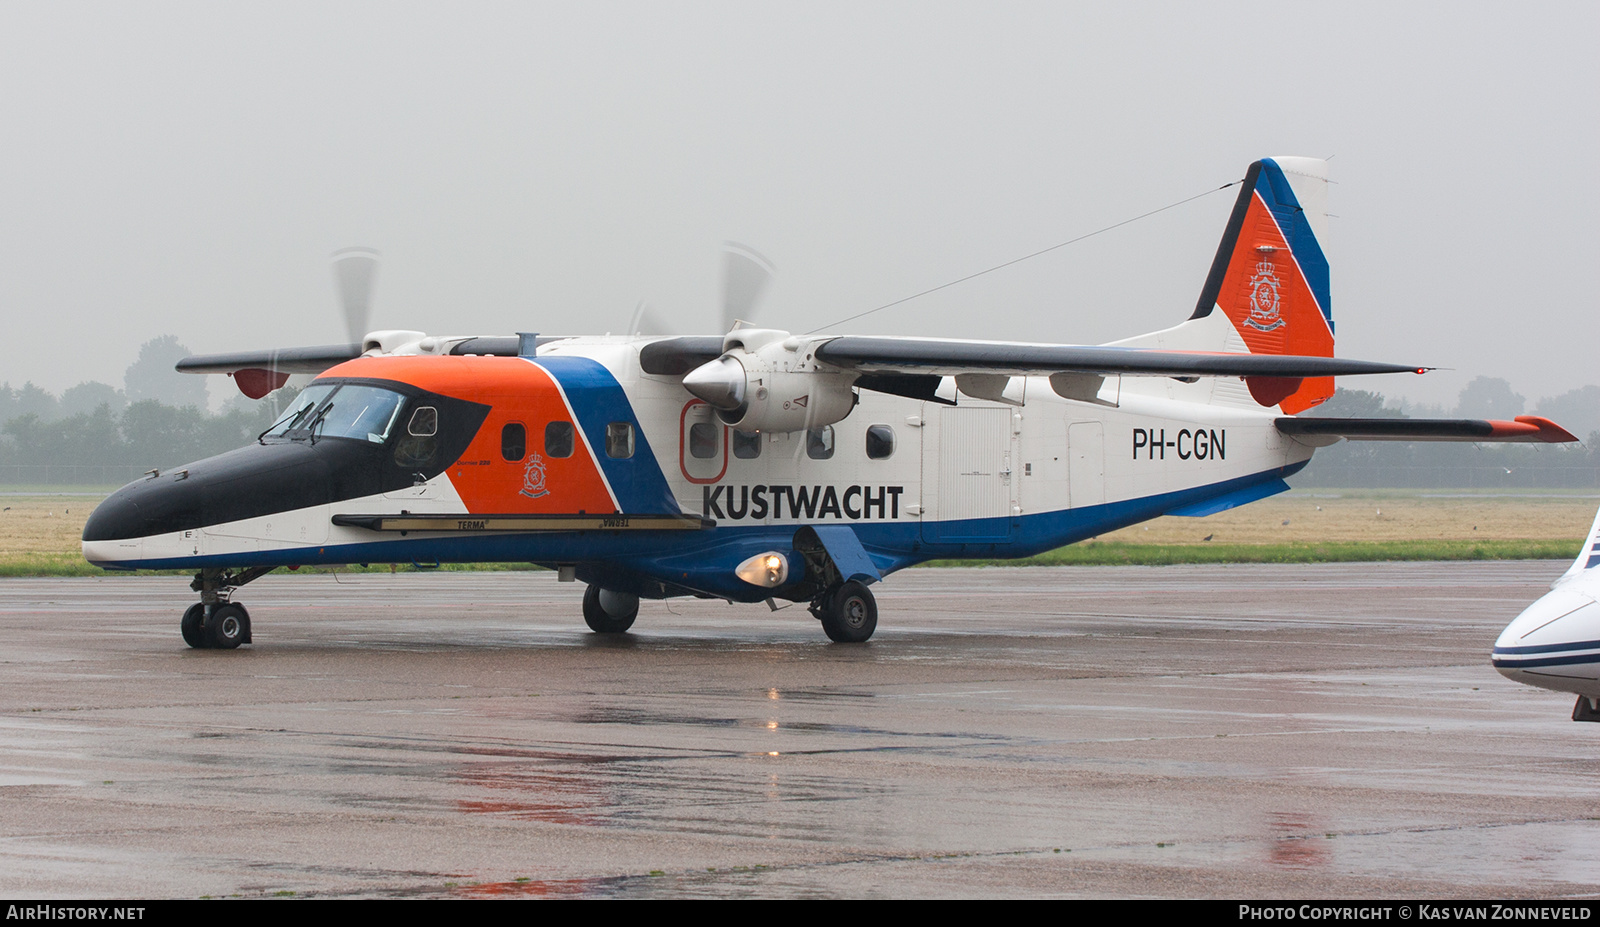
(1197, 731)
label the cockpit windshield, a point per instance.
(340, 410)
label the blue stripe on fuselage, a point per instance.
(598, 400)
(704, 560)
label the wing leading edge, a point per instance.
(872, 354)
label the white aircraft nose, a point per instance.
(1554, 644)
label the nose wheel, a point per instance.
(225, 628)
(214, 623)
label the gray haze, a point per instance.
(188, 168)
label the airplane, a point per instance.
(1555, 642)
(761, 465)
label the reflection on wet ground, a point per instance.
(1249, 731)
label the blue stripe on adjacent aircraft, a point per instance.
(598, 400)
(1549, 648)
(1275, 189)
(1578, 660)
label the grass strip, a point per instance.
(1088, 553)
(1113, 553)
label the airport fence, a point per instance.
(1464, 477)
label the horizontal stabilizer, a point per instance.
(1525, 429)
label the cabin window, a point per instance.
(819, 442)
(514, 441)
(747, 445)
(558, 439)
(702, 440)
(619, 440)
(880, 442)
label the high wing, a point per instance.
(882, 355)
(321, 357)
(287, 360)
(258, 373)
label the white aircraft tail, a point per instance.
(1588, 562)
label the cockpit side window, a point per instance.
(424, 422)
(418, 447)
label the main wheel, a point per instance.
(228, 627)
(607, 612)
(852, 615)
(193, 626)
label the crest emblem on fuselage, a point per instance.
(1264, 312)
(533, 478)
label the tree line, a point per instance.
(96, 433)
(1442, 465)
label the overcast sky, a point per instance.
(187, 168)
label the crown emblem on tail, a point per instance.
(1264, 314)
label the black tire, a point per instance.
(851, 615)
(602, 622)
(193, 626)
(228, 627)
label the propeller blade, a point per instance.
(646, 322)
(745, 276)
(354, 272)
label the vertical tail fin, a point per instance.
(1589, 557)
(1270, 276)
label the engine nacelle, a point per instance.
(767, 380)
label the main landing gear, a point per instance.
(848, 612)
(608, 612)
(215, 623)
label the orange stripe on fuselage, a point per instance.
(516, 392)
(1290, 324)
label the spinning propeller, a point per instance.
(354, 272)
(746, 274)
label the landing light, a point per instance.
(770, 569)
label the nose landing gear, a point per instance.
(215, 623)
